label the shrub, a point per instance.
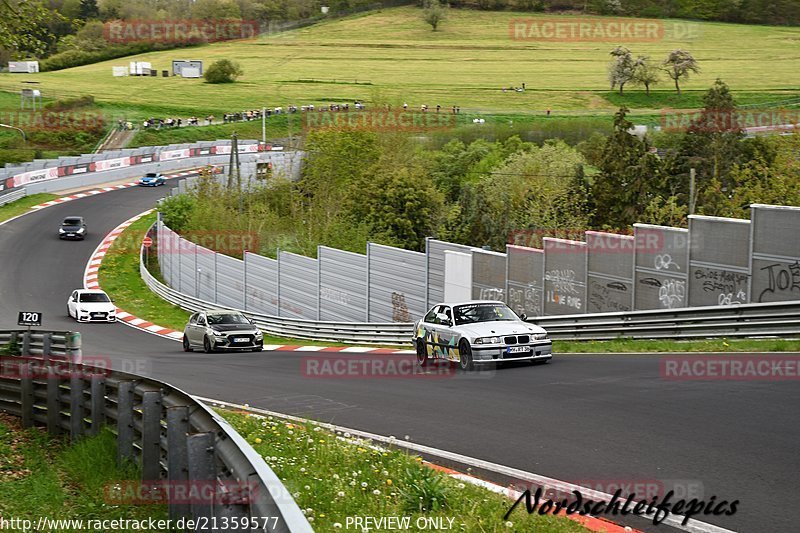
(223, 71)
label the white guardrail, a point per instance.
(745, 320)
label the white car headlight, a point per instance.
(81, 230)
(487, 340)
(61, 230)
(540, 336)
(258, 333)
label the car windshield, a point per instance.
(473, 313)
(71, 222)
(94, 297)
(232, 318)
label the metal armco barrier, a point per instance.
(13, 195)
(179, 443)
(746, 320)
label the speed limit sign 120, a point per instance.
(29, 318)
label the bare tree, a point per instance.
(678, 65)
(434, 13)
(621, 68)
(646, 73)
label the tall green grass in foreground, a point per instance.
(43, 476)
(332, 476)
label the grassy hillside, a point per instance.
(391, 55)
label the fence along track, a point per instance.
(169, 434)
(745, 320)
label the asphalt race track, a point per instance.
(587, 417)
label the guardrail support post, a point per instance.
(201, 472)
(98, 389)
(125, 422)
(26, 343)
(73, 342)
(178, 456)
(75, 404)
(151, 436)
(26, 392)
(47, 343)
(53, 400)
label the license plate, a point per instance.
(70, 234)
(240, 339)
(519, 349)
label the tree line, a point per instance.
(359, 186)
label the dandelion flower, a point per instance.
(509, 524)
(376, 492)
(337, 525)
(364, 484)
(340, 494)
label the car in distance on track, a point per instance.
(72, 228)
(152, 179)
(478, 332)
(91, 305)
(221, 329)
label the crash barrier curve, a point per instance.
(177, 441)
(746, 320)
(49, 175)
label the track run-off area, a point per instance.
(582, 418)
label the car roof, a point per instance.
(220, 312)
(90, 291)
(470, 302)
(73, 216)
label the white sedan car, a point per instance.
(479, 332)
(91, 305)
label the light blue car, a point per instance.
(152, 179)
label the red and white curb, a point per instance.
(90, 281)
(101, 190)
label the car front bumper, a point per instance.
(227, 344)
(538, 351)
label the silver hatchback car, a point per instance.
(220, 329)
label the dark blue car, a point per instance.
(152, 179)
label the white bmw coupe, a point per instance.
(477, 333)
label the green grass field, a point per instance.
(392, 56)
(47, 477)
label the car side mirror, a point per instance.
(523, 316)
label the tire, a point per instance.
(465, 356)
(207, 347)
(422, 352)
(186, 346)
